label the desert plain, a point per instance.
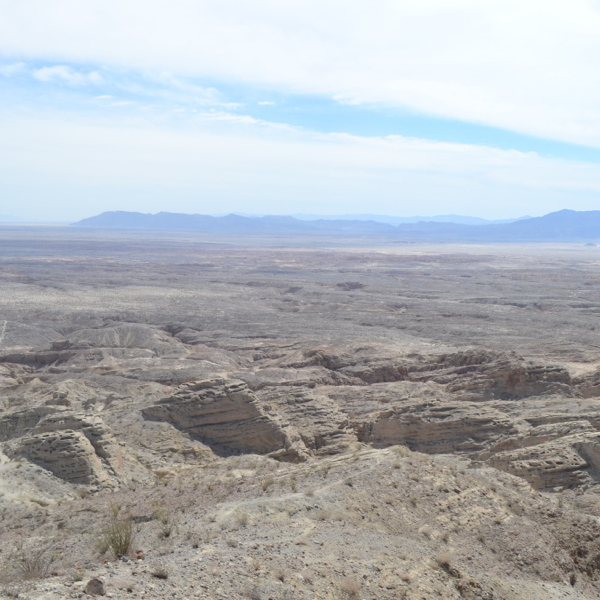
(297, 417)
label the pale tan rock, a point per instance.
(485, 375)
(569, 461)
(20, 422)
(66, 453)
(47, 435)
(314, 418)
(224, 414)
(438, 427)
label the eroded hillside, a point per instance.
(315, 419)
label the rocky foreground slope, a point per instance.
(301, 461)
(256, 456)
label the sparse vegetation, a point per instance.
(347, 588)
(444, 559)
(117, 536)
(166, 521)
(266, 483)
(241, 518)
(160, 571)
(33, 562)
(215, 522)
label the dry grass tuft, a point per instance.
(160, 571)
(266, 483)
(118, 536)
(33, 563)
(166, 521)
(444, 560)
(347, 588)
(241, 518)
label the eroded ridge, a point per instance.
(283, 410)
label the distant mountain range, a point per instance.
(463, 220)
(564, 225)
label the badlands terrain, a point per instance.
(297, 417)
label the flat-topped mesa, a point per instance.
(228, 417)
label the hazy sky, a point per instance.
(482, 107)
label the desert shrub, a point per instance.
(33, 563)
(160, 571)
(241, 518)
(118, 536)
(347, 588)
(266, 483)
(77, 575)
(444, 560)
(166, 522)
(402, 451)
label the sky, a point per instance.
(397, 107)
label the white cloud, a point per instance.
(209, 167)
(266, 103)
(67, 75)
(11, 69)
(215, 115)
(526, 66)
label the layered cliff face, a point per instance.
(224, 415)
(67, 454)
(291, 404)
(74, 447)
(438, 428)
(486, 375)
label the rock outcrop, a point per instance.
(75, 447)
(485, 375)
(226, 415)
(317, 419)
(66, 453)
(565, 462)
(438, 427)
(21, 422)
